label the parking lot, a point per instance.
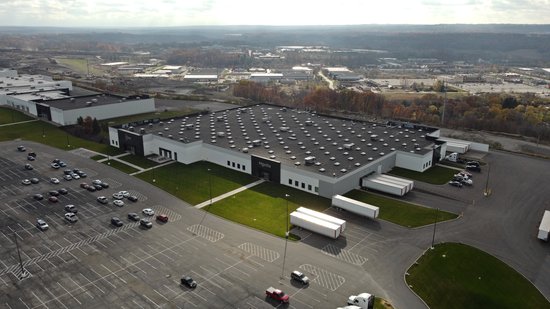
(91, 263)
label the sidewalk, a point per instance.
(228, 194)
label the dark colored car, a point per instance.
(116, 221)
(83, 185)
(104, 185)
(162, 218)
(32, 154)
(63, 191)
(52, 199)
(146, 223)
(55, 166)
(62, 164)
(133, 216)
(455, 183)
(91, 188)
(31, 158)
(54, 193)
(38, 197)
(82, 174)
(67, 172)
(474, 163)
(473, 168)
(21, 148)
(98, 187)
(133, 198)
(189, 282)
(56, 161)
(28, 167)
(35, 180)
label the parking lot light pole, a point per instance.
(210, 195)
(435, 224)
(24, 273)
(487, 191)
(286, 237)
(68, 144)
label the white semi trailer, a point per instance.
(355, 206)
(323, 216)
(544, 228)
(387, 184)
(315, 224)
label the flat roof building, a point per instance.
(319, 154)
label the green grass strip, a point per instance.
(459, 276)
(121, 166)
(436, 175)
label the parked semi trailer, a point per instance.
(387, 184)
(323, 216)
(544, 228)
(355, 206)
(315, 224)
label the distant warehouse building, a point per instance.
(318, 154)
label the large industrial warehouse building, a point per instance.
(314, 153)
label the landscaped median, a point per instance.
(193, 183)
(459, 276)
(399, 212)
(120, 166)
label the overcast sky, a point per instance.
(148, 13)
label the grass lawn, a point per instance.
(79, 65)
(399, 212)
(436, 175)
(53, 136)
(380, 303)
(8, 115)
(263, 207)
(98, 157)
(139, 161)
(120, 166)
(191, 182)
(459, 276)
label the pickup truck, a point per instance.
(277, 295)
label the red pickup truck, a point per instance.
(277, 294)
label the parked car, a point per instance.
(465, 174)
(117, 196)
(83, 185)
(26, 182)
(98, 187)
(62, 164)
(91, 188)
(124, 193)
(474, 163)
(133, 198)
(54, 180)
(96, 182)
(31, 158)
(300, 277)
(75, 176)
(28, 167)
(82, 175)
(71, 208)
(104, 185)
(162, 218)
(102, 199)
(148, 212)
(54, 193)
(21, 148)
(63, 191)
(118, 203)
(42, 225)
(52, 199)
(35, 180)
(455, 183)
(71, 217)
(467, 182)
(189, 282)
(146, 223)
(277, 295)
(133, 216)
(116, 221)
(67, 177)
(67, 172)
(32, 154)
(473, 168)
(55, 166)
(38, 197)
(56, 161)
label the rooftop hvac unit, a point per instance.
(131, 129)
(94, 100)
(88, 103)
(349, 146)
(221, 134)
(142, 130)
(310, 160)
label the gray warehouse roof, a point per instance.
(89, 100)
(320, 144)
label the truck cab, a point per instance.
(363, 300)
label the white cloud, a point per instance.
(140, 13)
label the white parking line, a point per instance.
(55, 298)
(161, 295)
(143, 260)
(132, 264)
(114, 274)
(138, 304)
(150, 256)
(69, 293)
(102, 277)
(92, 283)
(36, 298)
(120, 266)
(150, 300)
(81, 287)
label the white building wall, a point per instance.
(57, 116)
(301, 180)
(113, 137)
(413, 161)
(109, 111)
(234, 160)
(186, 153)
(149, 146)
(22, 105)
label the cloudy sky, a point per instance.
(149, 13)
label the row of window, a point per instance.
(236, 165)
(298, 184)
(427, 164)
(114, 142)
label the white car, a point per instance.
(42, 225)
(148, 211)
(26, 182)
(118, 196)
(118, 203)
(71, 217)
(97, 182)
(124, 193)
(54, 180)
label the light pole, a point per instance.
(286, 237)
(109, 160)
(68, 144)
(210, 195)
(435, 224)
(487, 191)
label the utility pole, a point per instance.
(444, 103)
(286, 237)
